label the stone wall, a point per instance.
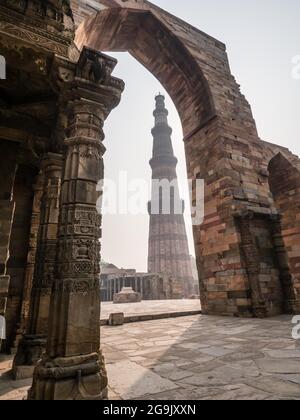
(284, 182)
(84, 8)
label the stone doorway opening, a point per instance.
(219, 129)
(140, 265)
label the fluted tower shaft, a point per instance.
(168, 244)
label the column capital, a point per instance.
(93, 84)
(52, 162)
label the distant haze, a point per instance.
(262, 37)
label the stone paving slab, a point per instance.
(131, 380)
(197, 357)
(214, 357)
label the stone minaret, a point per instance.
(168, 244)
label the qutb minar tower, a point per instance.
(168, 244)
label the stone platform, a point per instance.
(150, 310)
(198, 358)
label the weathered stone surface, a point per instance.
(23, 372)
(44, 253)
(127, 295)
(167, 373)
(131, 380)
(279, 366)
(116, 319)
(88, 101)
(31, 258)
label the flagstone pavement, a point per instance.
(196, 357)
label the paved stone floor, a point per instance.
(153, 307)
(196, 357)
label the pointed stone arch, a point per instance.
(221, 141)
(146, 37)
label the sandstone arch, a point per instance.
(191, 65)
(149, 40)
(221, 141)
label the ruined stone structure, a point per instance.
(53, 105)
(168, 244)
(127, 295)
(150, 286)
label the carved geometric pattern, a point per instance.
(77, 286)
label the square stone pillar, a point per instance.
(73, 366)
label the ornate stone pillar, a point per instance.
(33, 344)
(73, 366)
(8, 167)
(33, 242)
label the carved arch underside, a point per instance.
(150, 42)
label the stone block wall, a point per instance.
(83, 9)
(258, 247)
(284, 182)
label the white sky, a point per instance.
(262, 37)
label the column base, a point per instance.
(260, 311)
(292, 307)
(29, 353)
(70, 378)
(4, 286)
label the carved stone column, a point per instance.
(8, 167)
(33, 344)
(73, 366)
(33, 242)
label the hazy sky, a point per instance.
(262, 37)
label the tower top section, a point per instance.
(160, 113)
(163, 154)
